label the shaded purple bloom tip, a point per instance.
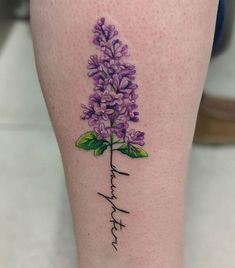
(113, 102)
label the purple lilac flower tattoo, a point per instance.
(111, 109)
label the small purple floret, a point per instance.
(135, 137)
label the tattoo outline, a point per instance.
(110, 110)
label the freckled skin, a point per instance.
(169, 43)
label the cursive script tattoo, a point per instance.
(117, 224)
(110, 111)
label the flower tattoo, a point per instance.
(112, 108)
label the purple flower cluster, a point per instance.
(112, 106)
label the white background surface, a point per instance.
(35, 220)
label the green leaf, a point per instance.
(89, 141)
(132, 151)
(101, 149)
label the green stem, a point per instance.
(118, 142)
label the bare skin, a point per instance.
(170, 44)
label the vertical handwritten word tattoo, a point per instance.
(110, 110)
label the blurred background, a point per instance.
(35, 221)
